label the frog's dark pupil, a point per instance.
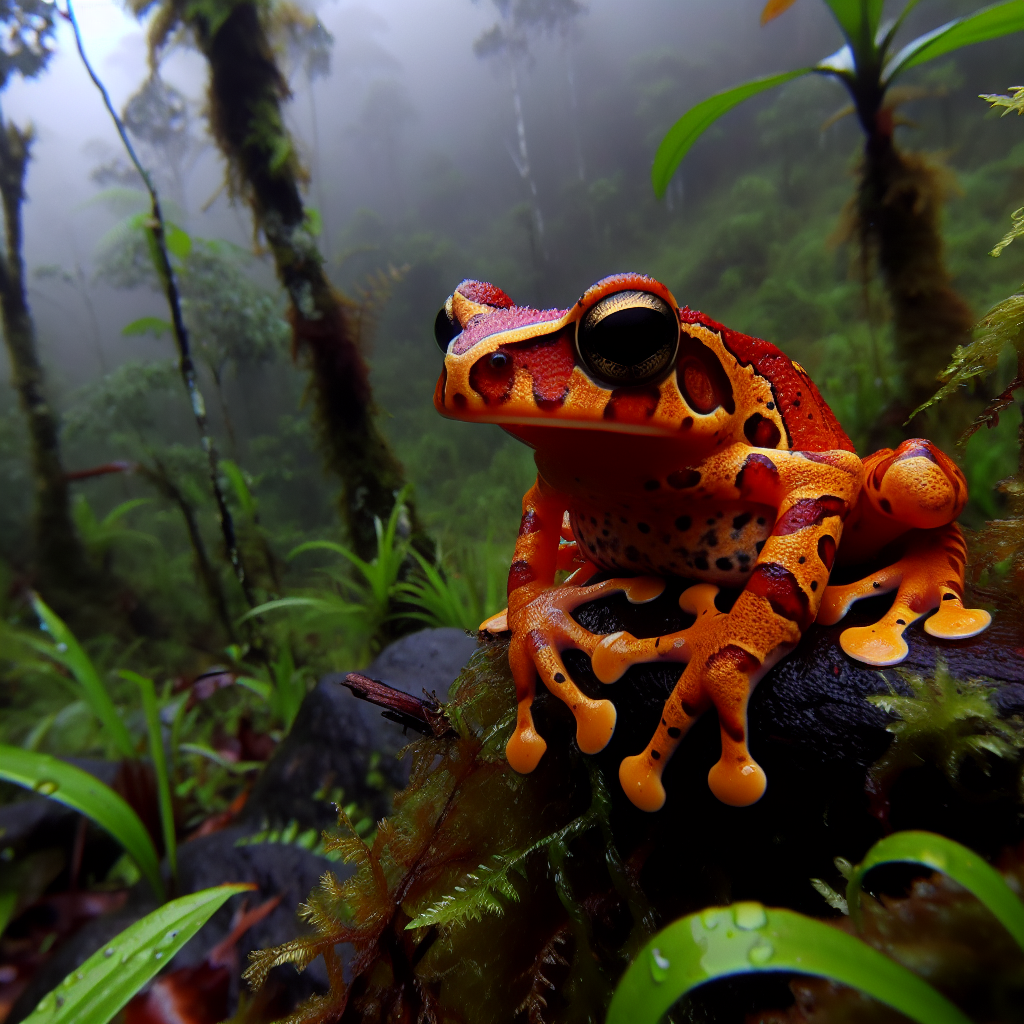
(629, 338)
(499, 360)
(444, 329)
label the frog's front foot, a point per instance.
(928, 576)
(542, 627)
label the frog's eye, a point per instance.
(628, 338)
(446, 326)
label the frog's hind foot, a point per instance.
(543, 628)
(928, 576)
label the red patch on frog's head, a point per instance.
(615, 361)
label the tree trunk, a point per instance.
(899, 204)
(245, 95)
(59, 557)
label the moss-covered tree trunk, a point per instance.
(899, 205)
(245, 96)
(59, 558)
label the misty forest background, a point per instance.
(403, 117)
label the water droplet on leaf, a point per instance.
(47, 787)
(109, 951)
(760, 954)
(659, 966)
(749, 916)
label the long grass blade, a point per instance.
(84, 793)
(67, 651)
(942, 854)
(748, 938)
(98, 989)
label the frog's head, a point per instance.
(625, 358)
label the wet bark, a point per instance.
(245, 96)
(59, 557)
(899, 205)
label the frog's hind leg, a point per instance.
(928, 576)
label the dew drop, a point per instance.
(157, 955)
(760, 954)
(60, 1002)
(109, 951)
(710, 918)
(46, 786)
(171, 936)
(79, 975)
(659, 966)
(62, 647)
(749, 916)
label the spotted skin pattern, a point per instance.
(729, 470)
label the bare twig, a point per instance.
(424, 716)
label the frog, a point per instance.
(669, 446)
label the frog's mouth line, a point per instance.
(606, 426)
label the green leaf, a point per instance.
(235, 767)
(682, 135)
(858, 19)
(988, 23)
(119, 511)
(748, 938)
(84, 793)
(941, 854)
(159, 758)
(323, 604)
(313, 223)
(179, 242)
(240, 486)
(147, 325)
(67, 651)
(98, 989)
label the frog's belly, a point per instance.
(716, 541)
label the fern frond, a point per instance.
(481, 892)
(301, 952)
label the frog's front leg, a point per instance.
(542, 627)
(812, 492)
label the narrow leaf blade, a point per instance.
(84, 793)
(95, 992)
(682, 135)
(942, 854)
(988, 23)
(747, 938)
(147, 325)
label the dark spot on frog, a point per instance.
(674, 732)
(688, 709)
(700, 561)
(683, 478)
(459, 400)
(801, 559)
(604, 533)
(710, 538)
(682, 523)
(593, 521)
(559, 678)
(761, 432)
(877, 585)
(741, 520)
(758, 546)
(814, 585)
(656, 755)
(770, 406)
(901, 622)
(643, 527)
(632, 554)
(651, 485)
(725, 564)
(886, 507)
(796, 402)
(687, 423)
(760, 520)
(711, 522)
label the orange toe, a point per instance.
(954, 622)
(879, 644)
(525, 748)
(641, 783)
(738, 784)
(594, 726)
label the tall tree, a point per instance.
(28, 30)
(509, 40)
(246, 93)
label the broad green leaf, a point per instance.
(147, 325)
(313, 223)
(748, 938)
(323, 604)
(850, 16)
(685, 132)
(179, 242)
(84, 793)
(67, 651)
(257, 686)
(941, 854)
(988, 23)
(98, 989)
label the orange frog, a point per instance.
(668, 445)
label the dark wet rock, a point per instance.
(337, 741)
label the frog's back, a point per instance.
(810, 423)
